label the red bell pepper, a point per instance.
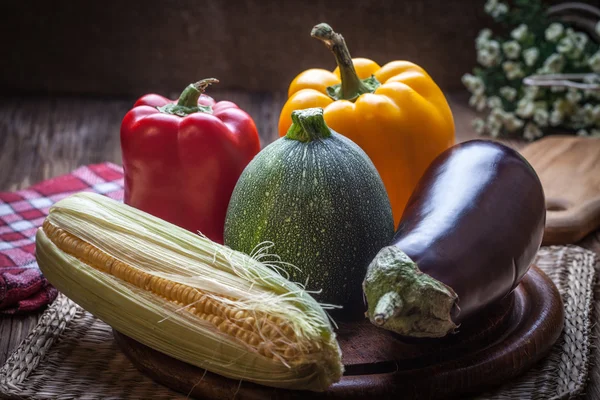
(182, 159)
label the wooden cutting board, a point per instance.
(502, 343)
(569, 168)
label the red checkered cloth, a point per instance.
(23, 288)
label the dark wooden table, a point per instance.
(42, 137)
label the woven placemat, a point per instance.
(71, 354)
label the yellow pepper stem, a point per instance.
(352, 86)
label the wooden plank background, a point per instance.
(131, 47)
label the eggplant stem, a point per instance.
(405, 300)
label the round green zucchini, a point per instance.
(319, 199)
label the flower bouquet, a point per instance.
(545, 75)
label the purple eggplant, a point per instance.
(468, 235)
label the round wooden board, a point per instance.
(506, 341)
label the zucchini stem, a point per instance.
(308, 125)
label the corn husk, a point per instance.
(157, 247)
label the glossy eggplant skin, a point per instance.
(475, 222)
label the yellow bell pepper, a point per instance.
(395, 113)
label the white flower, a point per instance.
(530, 56)
(565, 45)
(495, 8)
(574, 96)
(512, 70)
(554, 63)
(494, 129)
(520, 33)
(486, 59)
(566, 109)
(501, 9)
(484, 36)
(587, 114)
(497, 113)
(512, 123)
(594, 61)
(532, 131)
(494, 102)
(554, 32)
(584, 116)
(572, 44)
(541, 117)
(478, 101)
(582, 132)
(580, 39)
(489, 54)
(508, 93)
(479, 126)
(474, 84)
(525, 108)
(531, 92)
(563, 107)
(490, 5)
(493, 125)
(493, 47)
(556, 118)
(511, 49)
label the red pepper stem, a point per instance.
(190, 95)
(352, 86)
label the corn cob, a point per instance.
(186, 296)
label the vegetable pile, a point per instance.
(308, 221)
